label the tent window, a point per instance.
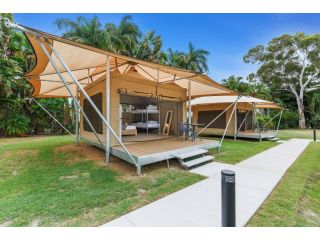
(92, 115)
(204, 117)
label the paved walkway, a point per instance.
(200, 203)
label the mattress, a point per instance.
(145, 111)
(146, 125)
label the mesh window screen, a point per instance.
(204, 117)
(92, 115)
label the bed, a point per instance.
(129, 130)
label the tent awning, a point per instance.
(88, 64)
(259, 103)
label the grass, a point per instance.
(233, 152)
(286, 134)
(40, 186)
(296, 199)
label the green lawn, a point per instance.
(296, 199)
(297, 133)
(40, 186)
(233, 152)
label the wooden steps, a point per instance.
(193, 158)
(274, 139)
(192, 154)
(197, 161)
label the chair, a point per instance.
(183, 129)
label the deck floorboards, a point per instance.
(151, 147)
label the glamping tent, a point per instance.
(130, 108)
(233, 116)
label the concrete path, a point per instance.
(200, 203)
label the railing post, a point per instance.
(228, 198)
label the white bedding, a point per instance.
(150, 124)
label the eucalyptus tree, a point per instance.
(290, 62)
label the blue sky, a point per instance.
(226, 36)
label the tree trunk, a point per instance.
(302, 120)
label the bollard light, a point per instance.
(228, 198)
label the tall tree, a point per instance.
(290, 62)
(122, 38)
(148, 47)
(236, 84)
(193, 60)
(249, 88)
(82, 30)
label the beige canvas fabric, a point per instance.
(88, 64)
(259, 103)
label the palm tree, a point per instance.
(148, 48)
(194, 60)
(236, 84)
(122, 38)
(82, 30)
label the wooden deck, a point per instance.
(154, 149)
(159, 150)
(255, 135)
(245, 134)
(141, 137)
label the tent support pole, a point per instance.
(243, 121)
(235, 122)
(279, 123)
(77, 122)
(218, 116)
(107, 109)
(225, 131)
(256, 121)
(67, 87)
(85, 94)
(272, 118)
(56, 120)
(189, 102)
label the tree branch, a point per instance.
(310, 79)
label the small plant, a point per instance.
(15, 124)
(264, 122)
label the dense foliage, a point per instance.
(18, 115)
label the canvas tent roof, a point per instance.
(89, 64)
(259, 103)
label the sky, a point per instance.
(227, 37)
